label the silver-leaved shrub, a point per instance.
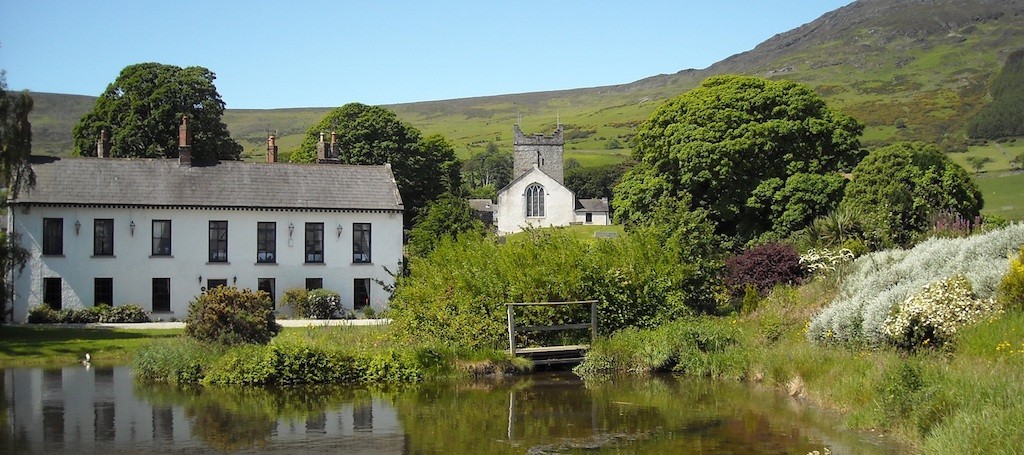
(879, 281)
(933, 315)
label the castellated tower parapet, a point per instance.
(544, 152)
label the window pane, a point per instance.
(314, 283)
(315, 242)
(361, 242)
(267, 285)
(218, 241)
(52, 292)
(103, 291)
(53, 236)
(161, 237)
(103, 237)
(266, 242)
(161, 294)
(361, 292)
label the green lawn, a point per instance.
(29, 345)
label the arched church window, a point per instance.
(535, 200)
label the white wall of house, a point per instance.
(596, 218)
(132, 266)
(559, 204)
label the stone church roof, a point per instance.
(225, 184)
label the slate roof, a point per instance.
(592, 205)
(481, 205)
(226, 184)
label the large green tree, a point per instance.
(898, 188)
(723, 140)
(443, 218)
(15, 139)
(424, 168)
(142, 108)
(15, 148)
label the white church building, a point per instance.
(158, 232)
(537, 195)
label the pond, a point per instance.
(103, 410)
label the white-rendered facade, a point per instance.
(558, 204)
(132, 267)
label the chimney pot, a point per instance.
(271, 149)
(102, 144)
(184, 143)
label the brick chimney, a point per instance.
(334, 145)
(184, 143)
(321, 149)
(102, 145)
(271, 149)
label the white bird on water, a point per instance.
(87, 360)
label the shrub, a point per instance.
(315, 304)
(42, 314)
(879, 281)
(1011, 288)
(227, 315)
(935, 314)
(130, 313)
(763, 267)
(825, 260)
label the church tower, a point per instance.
(544, 152)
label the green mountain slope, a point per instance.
(908, 69)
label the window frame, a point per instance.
(534, 200)
(163, 297)
(53, 236)
(314, 243)
(266, 242)
(103, 238)
(107, 287)
(157, 247)
(218, 241)
(362, 243)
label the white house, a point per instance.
(157, 232)
(537, 196)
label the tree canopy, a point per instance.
(723, 140)
(142, 108)
(424, 168)
(898, 188)
(15, 139)
(446, 217)
(1004, 115)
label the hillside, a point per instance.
(908, 69)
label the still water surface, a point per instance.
(103, 410)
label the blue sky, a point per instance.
(325, 54)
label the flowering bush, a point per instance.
(1011, 288)
(824, 260)
(933, 315)
(314, 304)
(227, 315)
(879, 281)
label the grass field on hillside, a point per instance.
(1003, 193)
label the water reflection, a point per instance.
(102, 410)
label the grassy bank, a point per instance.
(963, 398)
(316, 355)
(25, 345)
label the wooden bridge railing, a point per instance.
(546, 355)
